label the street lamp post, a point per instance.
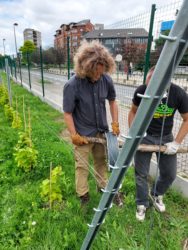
(4, 45)
(15, 24)
(17, 54)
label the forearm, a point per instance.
(70, 123)
(182, 132)
(114, 111)
(130, 118)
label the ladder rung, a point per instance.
(99, 210)
(169, 38)
(147, 96)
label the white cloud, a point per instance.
(47, 16)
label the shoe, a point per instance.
(118, 199)
(140, 212)
(84, 199)
(158, 203)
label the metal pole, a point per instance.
(150, 39)
(17, 54)
(28, 67)
(68, 57)
(14, 67)
(19, 63)
(171, 55)
(11, 70)
(8, 80)
(15, 24)
(42, 76)
(4, 45)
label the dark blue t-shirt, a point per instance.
(177, 100)
(86, 101)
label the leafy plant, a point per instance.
(4, 99)
(17, 122)
(25, 153)
(8, 110)
(52, 188)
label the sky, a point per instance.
(47, 16)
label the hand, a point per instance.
(79, 140)
(115, 128)
(171, 148)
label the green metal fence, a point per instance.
(46, 71)
(166, 13)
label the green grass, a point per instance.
(65, 228)
(45, 81)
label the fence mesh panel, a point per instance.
(54, 67)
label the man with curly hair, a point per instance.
(84, 108)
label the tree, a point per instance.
(27, 49)
(60, 56)
(49, 56)
(133, 52)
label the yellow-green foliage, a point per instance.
(17, 122)
(8, 110)
(3, 95)
(25, 153)
(52, 188)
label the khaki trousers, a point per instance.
(82, 166)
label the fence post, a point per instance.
(42, 76)
(150, 39)
(7, 69)
(28, 67)
(68, 57)
(14, 67)
(19, 63)
(11, 69)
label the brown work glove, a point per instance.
(115, 128)
(79, 140)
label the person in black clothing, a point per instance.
(174, 99)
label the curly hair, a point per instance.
(89, 55)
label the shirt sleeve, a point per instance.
(136, 99)
(111, 91)
(68, 98)
(183, 101)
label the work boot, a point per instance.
(84, 199)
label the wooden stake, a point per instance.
(50, 184)
(25, 125)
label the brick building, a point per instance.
(75, 31)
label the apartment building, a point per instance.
(33, 36)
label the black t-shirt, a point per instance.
(177, 100)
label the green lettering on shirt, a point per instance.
(163, 111)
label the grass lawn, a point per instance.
(27, 224)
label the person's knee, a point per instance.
(141, 178)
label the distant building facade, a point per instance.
(75, 32)
(114, 39)
(33, 36)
